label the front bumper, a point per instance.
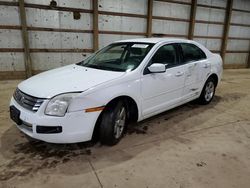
(76, 126)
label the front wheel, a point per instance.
(208, 91)
(113, 123)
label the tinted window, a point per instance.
(192, 52)
(165, 55)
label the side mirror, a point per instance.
(157, 68)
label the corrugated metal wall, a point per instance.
(57, 39)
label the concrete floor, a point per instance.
(190, 146)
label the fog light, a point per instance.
(48, 129)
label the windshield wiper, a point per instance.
(94, 66)
(80, 63)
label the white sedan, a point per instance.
(127, 81)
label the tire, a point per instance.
(113, 123)
(208, 92)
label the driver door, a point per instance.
(162, 91)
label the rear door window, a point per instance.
(191, 52)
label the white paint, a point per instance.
(152, 93)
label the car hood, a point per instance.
(69, 78)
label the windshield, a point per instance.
(118, 57)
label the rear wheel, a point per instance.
(208, 91)
(113, 123)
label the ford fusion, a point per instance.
(126, 81)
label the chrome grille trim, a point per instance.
(27, 101)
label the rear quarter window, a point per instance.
(192, 52)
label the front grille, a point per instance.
(27, 101)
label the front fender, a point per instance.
(103, 95)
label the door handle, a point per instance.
(206, 65)
(179, 74)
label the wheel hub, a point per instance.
(120, 123)
(209, 91)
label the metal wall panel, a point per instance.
(236, 58)
(124, 6)
(60, 40)
(171, 10)
(239, 31)
(120, 23)
(211, 44)
(208, 14)
(10, 0)
(185, 1)
(70, 33)
(46, 61)
(219, 3)
(57, 19)
(240, 45)
(240, 17)
(10, 39)
(9, 15)
(170, 27)
(85, 4)
(208, 29)
(241, 4)
(105, 39)
(11, 61)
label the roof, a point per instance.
(154, 40)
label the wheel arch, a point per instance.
(131, 105)
(215, 77)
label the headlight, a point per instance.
(58, 105)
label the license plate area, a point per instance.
(15, 115)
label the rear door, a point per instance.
(195, 62)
